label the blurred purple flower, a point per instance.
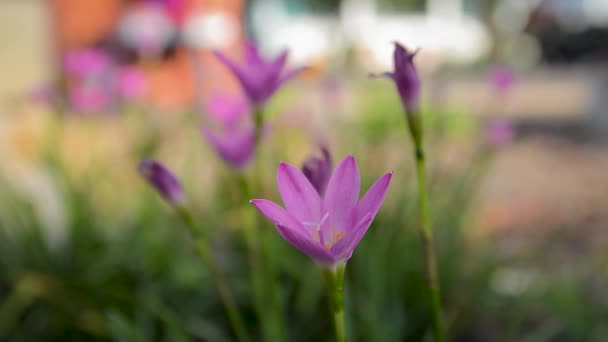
(84, 62)
(318, 170)
(406, 78)
(233, 138)
(326, 228)
(499, 132)
(89, 99)
(175, 8)
(131, 83)
(42, 94)
(260, 78)
(501, 79)
(163, 180)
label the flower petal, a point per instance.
(306, 245)
(288, 75)
(276, 67)
(234, 146)
(252, 55)
(293, 231)
(245, 80)
(342, 194)
(344, 248)
(299, 196)
(370, 203)
(277, 214)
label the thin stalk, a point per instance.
(263, 288)
(218, 279)
(334, 280)
(258, 122)
(426, 236)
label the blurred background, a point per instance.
(514, 103)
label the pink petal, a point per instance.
(235, 147)
(252, 55)
(285, 77)
(344, 248)
(342, 194)
(278, 64)
(372, 200)
(278, 215)
(306, 245)
(239, 72)
(299, 196)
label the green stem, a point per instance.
(334, 280)
(265, 300)
(218, 279)
(426, 236)
(258, 121)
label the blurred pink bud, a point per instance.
(131, 83)
(231, 132)
(85, 62)
(499, 132)
(501, 79)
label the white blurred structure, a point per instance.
(443, 30)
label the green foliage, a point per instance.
(144, 282)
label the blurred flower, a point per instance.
(42, 94)
(88, 99)
(407, 81)
(406, 78)
(499, 132)
(147, 29)
(163, 180)
(260, 78)
(131, 83)
(85, 62)
(326, 228)
(318, 170)
(176, 9)
(501, 79)
(233, 138)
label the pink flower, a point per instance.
(131, 83)
(499, 132)
(406, 78)
(163, 180)
(326, 228)
(260, 78)
(233, 136)
(86, 62)
(501, 78)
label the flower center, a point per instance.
(323, 236)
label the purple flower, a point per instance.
(163, 180)
(406, 78)
(318, 170)
(499, 132)
(326, 228)
(90, 99)
(86, 62)
(501, 78)
(260, 78)
(131, 83)
(233, 136)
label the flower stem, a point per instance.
(426, 236)
(334, 280)
(218, 279)
(258, 121)
(262, 277)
